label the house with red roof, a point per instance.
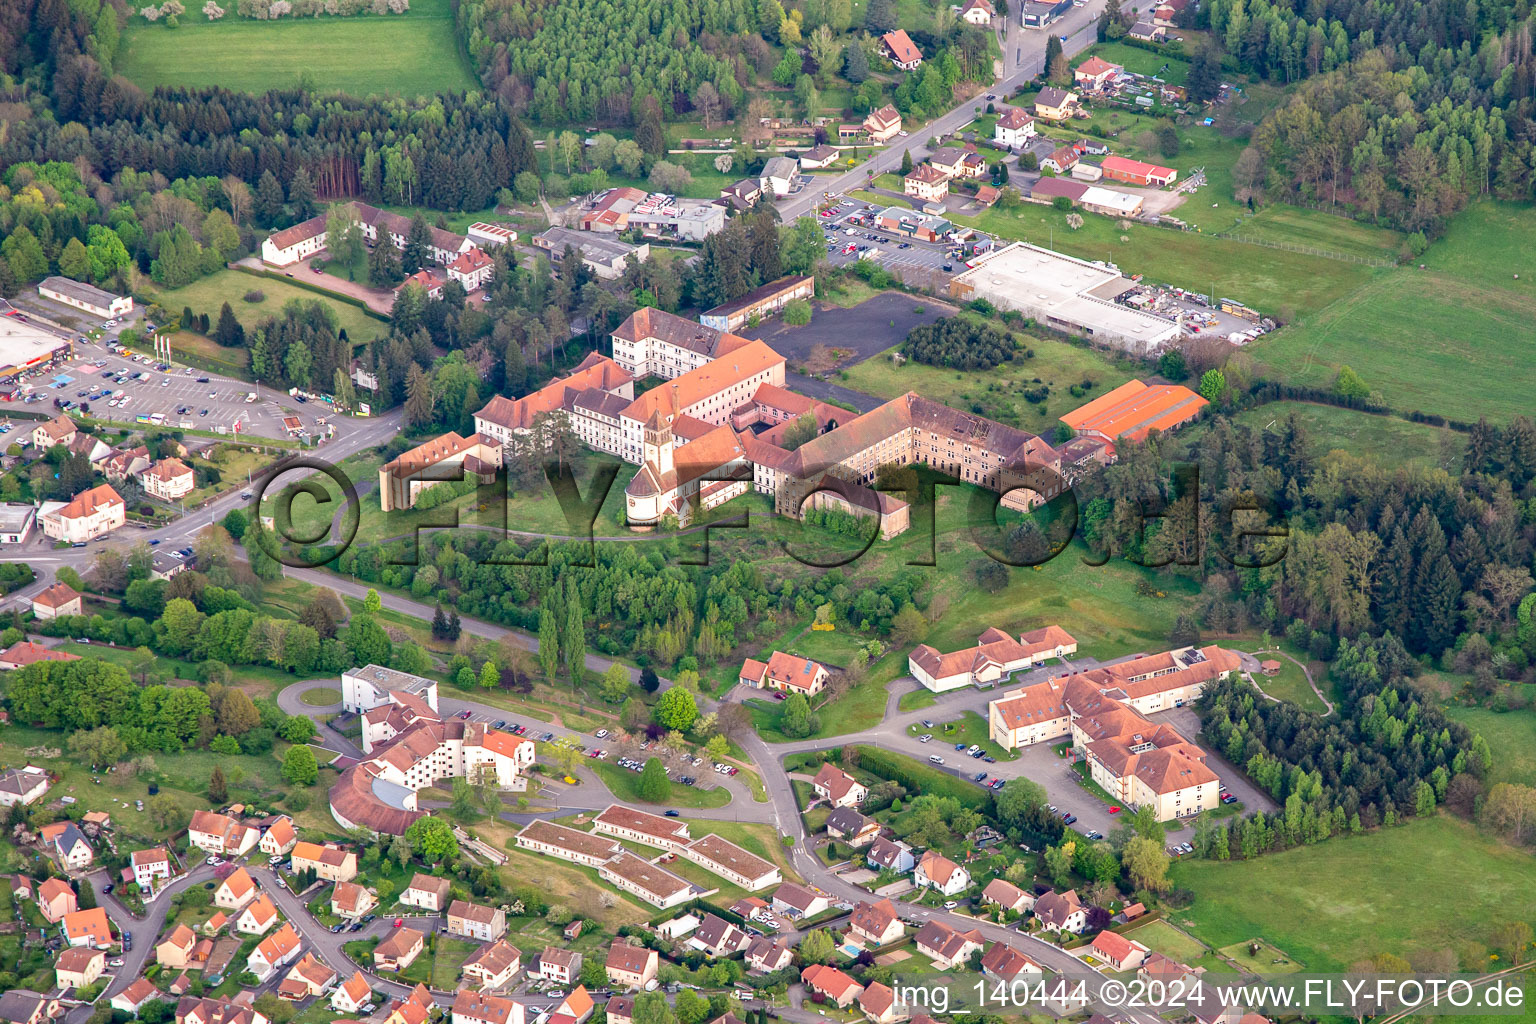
(1119, 952)
(898, 46)
(831, 984)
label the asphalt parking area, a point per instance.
(865, 330)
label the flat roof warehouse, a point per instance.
(23, 346)
(1065, 293)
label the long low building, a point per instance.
(604, 256)
(731, 862)
(85, 297)
(1135, 409)
(653, 884)
(570, 844)
(995, 657)
(759, 303)
(1066, 294)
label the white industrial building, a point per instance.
(83, 296)
(25, 347)
(1066, 294)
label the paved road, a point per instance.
(1023, 59)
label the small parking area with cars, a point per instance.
(850, 235)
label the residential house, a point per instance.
(1003, 893)
(169, 480)
(258, 917)
(939, 872)
(28, 784)
(68, 844)
(192, 1010)
(1005, 963)
(88, 928)
(1119, 952)
(21, 888)
(59, 430)
(959, 162)
(352, 995)
(575, 1008)
(472, 269)
(853, 828)
(130, 999)
(148, 865)
(427, 892)
(718, 938)
(831, 984)
(1156, 966)
(329, 862)
(306, 979)
(818, 157)
(216, 923)
(23, 1006)
(561, 966)
(175, 950)
(1062, 912)
(235, 891)
(926, 182)
(476, 921)
(495, 965)
(481, 1008)
(1061, 160)
(1055, 104)
(875, 924)
(797, 902)
(125, 463)
(89, 447)
(78, 967)
(273, 952)
(57, 600)
(878, 1003)
(1147, 31)
(398, 950)
(786, 673)
(978, 12)
(92, 513)
(890, 855)
(631, 966)
(16, 521)
(903, 53)
(620, 1010)
(779, 174)
(884, 124)
(220, 835)
(1013, 129)
(838, 788)
(56, 900)
(351, 901)
(1094, 73)
(279, 837)
(768, 955)
(742, 194)
(947, 947)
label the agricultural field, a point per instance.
(1332, 904)
(1444, 339)
(208, 295)
(333, 53)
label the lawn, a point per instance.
(1344, 900)
(999, 394)
(1512, 737)
(1169, 941)
(1386, 440)
(1296, 225)
(320, 696)
(208, 295)
(1138, 61)
(1274, 281)
(625, 786)
(970, 729)
(1447, 339)
(1290, 683)
(336, 54)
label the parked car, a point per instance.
(671, 814)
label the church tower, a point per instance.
(657, 447)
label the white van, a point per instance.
(935, 759)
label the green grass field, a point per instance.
(413, 54)
(1447, 339)
(208, 295)
(1169, 941)
(625, 785)
(998, 394)
(1138, 61)
(1512, 737)
(1273, 281)
(1296, 225)
(1290, 683)
(1388, 440)
(1345, 900)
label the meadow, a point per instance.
(1345, 900)
(411, 54)
(1388, 440)
(208, 295)
(1511, 735)
(999, 394)
(1450, 338)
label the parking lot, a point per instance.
(130, 389)
(848, 241)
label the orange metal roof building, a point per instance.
(1135, 409)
